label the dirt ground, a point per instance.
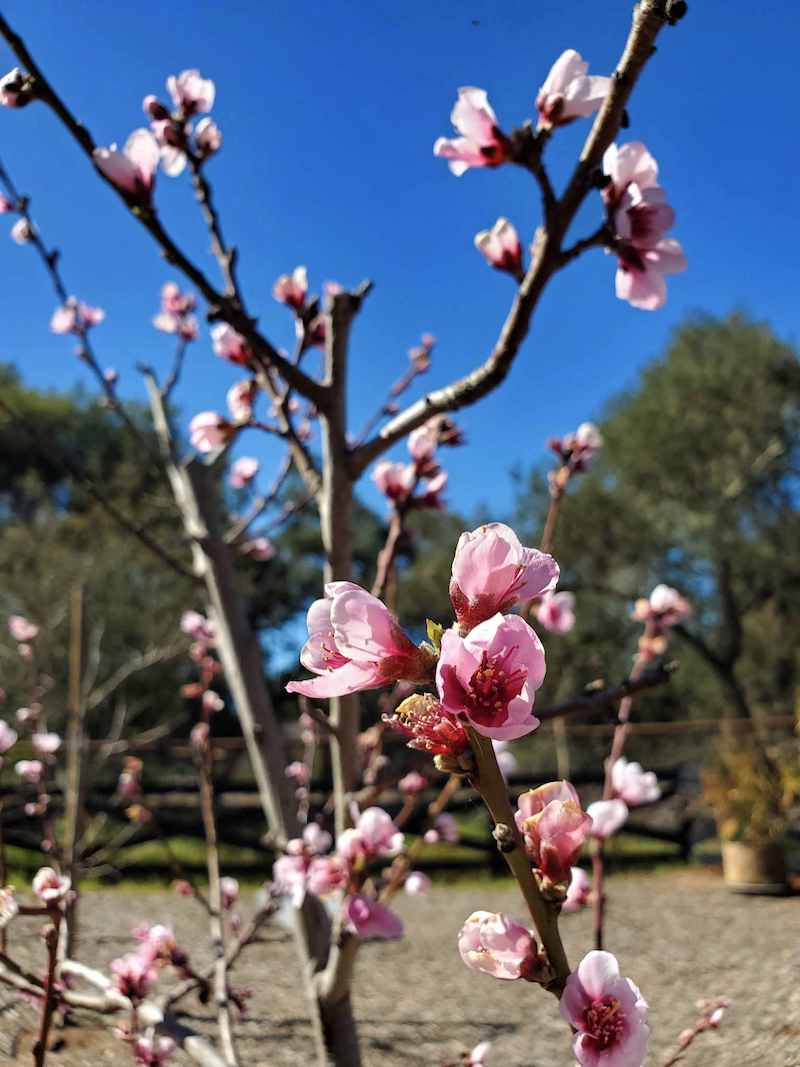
(680, 936)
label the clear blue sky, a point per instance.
(329, 113)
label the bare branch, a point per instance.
(139, 662)
(593, 699)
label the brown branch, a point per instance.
(592, 699)
(50, 1002)
(650, 16)
(140, 662)
(221, 305)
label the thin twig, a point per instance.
(592, 699)
(50, 1002)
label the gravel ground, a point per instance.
(681, 936)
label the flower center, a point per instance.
(492, 687)
(604, 1022)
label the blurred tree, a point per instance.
(696, 486)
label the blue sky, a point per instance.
(329, 112)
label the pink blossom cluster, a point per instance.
(418, 484)
(640, 215)
(177, 313)
(75, 317)
(659, 612)
(24, 632)
(576, 450)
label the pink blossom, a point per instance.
(446, 828)
(8, 736)
(111, 376)
(27, 714)
(133, 170)
(420, 355)
(260, 549)
(197, 626)
(609, 1013)
(355, 643)
(556, 612)
(492, 571)
(429, 727)
(9, 907)
(665, 607)
(422, 444)
(576, 450)
(417, 884)
(289, 877)
(412, 783)
(25, 651)
(431, 496)
(29, 769)
(315, 839)
(23, 232)
(229, 888)
(327, 874)
(298, 772)
(490, 676)
(153, 1051)
(568, 92)
(16, 89)
(394, 480)
(641, 217)
(22, 629)
(175, 315)
(157, 942)
(6, 205)
(241, 398)
(607, 817)
(212, 702)
(482, 143)
(207, 138)
(243, 471)
(632, 784)
(477, 1058)
(371, 920)
(191, 93)
(230, 345)
(495, 944)
(373, 835)
(45, 744)
(580, 887)
(134, 975)
(73, 317)
(501, 247)
(292, 289)
(49, 886)
(554, 827)
(208, 431)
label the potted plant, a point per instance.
(751, 790)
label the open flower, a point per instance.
(554, 827)
(556, 612)
(229, 344)
(632, 784)
(576, 450)
(609, 1013)
(492, 571)
(394, 480)
(354, 643)
(49, 886)
(133, 170)
(153, 1051)
(176, 315)
(191, 93)
(501, 247)
(663, 608)
(292, 289)
(134, 975)
(327, 874)
(429, 727)
(197, 626)
(578, 891)
(422, 443)
(495, 944)
(241, 398)
(209, 431)
(490, 676)
(482, 143)
(568, 92)
(607, 817)
(244, 471)
(371, 920)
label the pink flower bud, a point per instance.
(556, 612)
(230, 345)
(49, 886)
(191, 92)
(241, 398)
(632, 784)
(417, 884)
(154, 109)
(207, 137)
(260, 549)
(394, 480)
(492, 571)
(153, 1051)
(133, 170)
(134, 975)
(229, 888)
(244, 471)
(22, 232)
(8, 737)
(482, 143)
(292, 289)
(298, 772)
(6, 205)
(45, 744)
(494, 944)
(197, 626)
(412, 783)
(16, 89)
(212, 702)
(568, 92)
(554, 827)
(501, 247)
(29, 769)
(607, 817)
(578, 892)
(199, 734)
(208, 431)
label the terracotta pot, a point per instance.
(754, 868)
